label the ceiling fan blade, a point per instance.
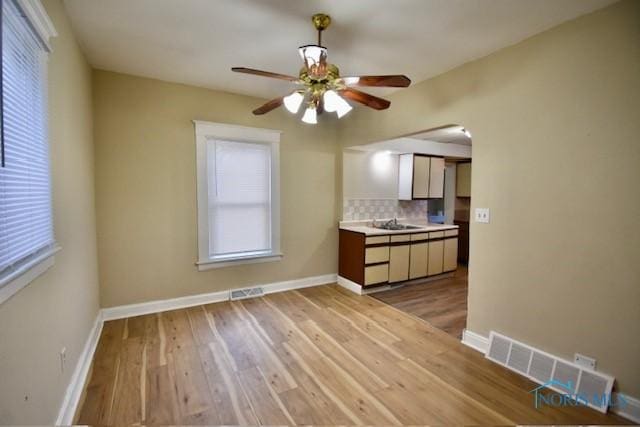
(271, 105)
(378, 81)
(264, 74)
(365, 98)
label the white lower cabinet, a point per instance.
(450, 262)
(396, 258)
(399, 263)
(436, 257)
(418, 260)
(376, 274)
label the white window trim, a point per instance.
(30, 269)
(26, 272)
(39, 20)
(205, 130)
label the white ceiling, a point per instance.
(197, 41)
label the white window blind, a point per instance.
(26, 225)
(239, 175)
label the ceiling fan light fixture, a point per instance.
(315, 58)
(312, 54)
(330, 101)
(320, 83)
(292, 102)
(335, 103)
(310, 115)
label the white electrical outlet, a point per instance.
(482, 215)
(63, 358)
(584, 361)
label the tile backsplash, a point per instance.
(364, 209)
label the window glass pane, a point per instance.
(240, 197)
(26, 224)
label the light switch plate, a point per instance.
(482, 215)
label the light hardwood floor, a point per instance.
(442, 303)
(315, 356)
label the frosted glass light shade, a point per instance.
(293, 102)
(312, 55)
(330, 101)
(335, 103)
(310, 116)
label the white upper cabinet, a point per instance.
(436, 178)
(405, 177)
(420, 177)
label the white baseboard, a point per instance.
(475, 341)
(157, 306)
(130, 310)
(630, 410)
(306, 282)
(350, 285)
(76, 383)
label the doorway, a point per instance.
(443, 302)
(440, 300)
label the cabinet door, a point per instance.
(405, 177)
(450, 254)
(436, 178)
(418, 260)
(436, 257)
(463, 180)
(399, 263)
(421, 167)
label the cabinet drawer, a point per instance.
(401, 238)
(377, 254)
(436, 235)
(419, 236)
(373, 240)
(376, 274)
(450, 233)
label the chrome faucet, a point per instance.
(393, 221)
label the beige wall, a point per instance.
(555, 123)
(59, 308)
(146, 190)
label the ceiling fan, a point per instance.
(321, 85)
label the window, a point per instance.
(26, 225)
(238, 195)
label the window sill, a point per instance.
(239, 260)
(26, 274)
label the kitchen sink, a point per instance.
(397, 227)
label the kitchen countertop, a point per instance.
(364, 227)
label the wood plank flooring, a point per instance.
(319, 355)
(442, 303)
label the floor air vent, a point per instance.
(237, 294)
(562, 376)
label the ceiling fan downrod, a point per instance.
(321, 22)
